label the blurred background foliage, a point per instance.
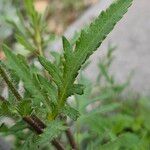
(58, 14)
(108, 119)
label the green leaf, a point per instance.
(19, 126)
(22, 70)
(29, 143)
(88, 42)
(68, 50)
(17, 63)
(5, 106)
(51, 90)
(71, 112)
(53, 129)
(101, 109)
(125, 141)
(3, 128)
(76, 89)
(104, 72)
(23, 41)
(105, 108)
(53, 71)
(24, 107)
(92, 38)
(5, 109)
(57, 57)
(29, 7)
(121, 122)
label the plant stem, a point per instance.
(71, 139)
(33, 121)
(39, 126)
(9, 83)
(69, 134)
(57, 144)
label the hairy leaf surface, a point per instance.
(88, 42)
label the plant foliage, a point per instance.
(47, 88)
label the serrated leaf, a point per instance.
(68, 50)
(29, 143)
(53, 129)
(24, 107)
(57, 57)
(5, 109)
(51, 90)
(31, 83)
(53, 71)
(17, 127)
(89, 41)
(71, 112)
(29, 7)
(92, 38)
(16, 63)
(22, 40)
(19, 65)
(76, 89)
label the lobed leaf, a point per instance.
(23, 41)
(53, 71)
(71, 112)
(30, 80)
(53, 129)
(24, 107)
(76, 89)
(51, 90)
(88, 42)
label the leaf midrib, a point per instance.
(62, 99)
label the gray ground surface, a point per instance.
(4, 145)
(132, 36)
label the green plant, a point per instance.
(107, 121)
(47, 89)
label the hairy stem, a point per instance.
(33, 124)
(69, 135)
(57, 144)
(71, 139)
(39, 126)
(9, 83)
(33, 121)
